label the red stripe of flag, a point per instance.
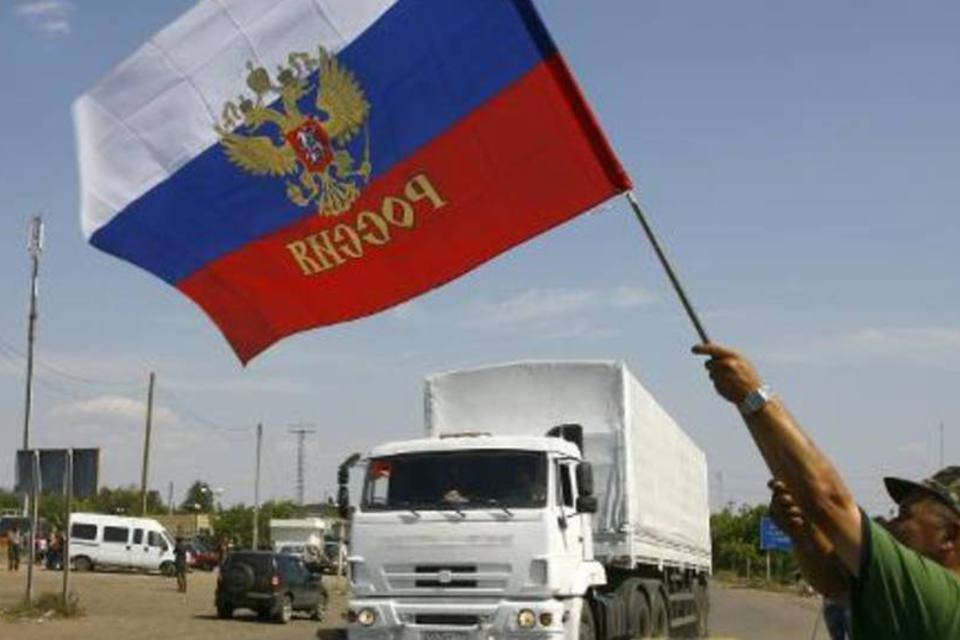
(531, 158)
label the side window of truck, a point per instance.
(565, 485)
(116, 534)
(137, 536)
(83, 531)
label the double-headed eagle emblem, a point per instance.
(306, 142)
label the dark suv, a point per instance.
(272, 584)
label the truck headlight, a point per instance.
(526, 619)
(546, 619)
(366, 617)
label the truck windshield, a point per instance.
(456, 480)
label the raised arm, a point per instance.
(791, 455)
(815, 554)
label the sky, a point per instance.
(798, 161)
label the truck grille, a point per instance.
(445, 619)
(477, 578)
(452, 577)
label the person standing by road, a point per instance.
(901, 583)
(180, 564)
(14, 548)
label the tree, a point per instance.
(236, 523)
(735, 534)
(119, 501)
(124, 501)
(199, 498)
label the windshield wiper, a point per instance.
(496, 503)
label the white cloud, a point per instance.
(55, 27)
(113, 407)
(532, 306)
(51, 17)
(929, 346)
(631, 296)
(263, 384)
(553, 308)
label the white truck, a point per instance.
(302, 532)
(548, 499)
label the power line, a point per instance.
(181, 407)
(57, 371)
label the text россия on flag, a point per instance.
(299, 163)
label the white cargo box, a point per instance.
(649, 476)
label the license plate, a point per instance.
(446, 635)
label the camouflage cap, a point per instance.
(944, 485)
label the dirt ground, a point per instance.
(128, 606)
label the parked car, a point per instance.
(274, 585)
(98, 540)
(199, 556)
(312, 556)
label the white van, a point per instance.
(98, 540)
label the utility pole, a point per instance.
(67, 509)
(170, 498)
(34, 519)
(146, 448)
(256, 491)
(35, 248)
(941, 444)
(301, 432)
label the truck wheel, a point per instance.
(701, 601)
(167, 569)
(660, 627)
(82, 563)
(630, 593)
(224, 611)
(587, 628)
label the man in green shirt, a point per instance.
(903, 580)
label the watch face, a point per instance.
(754, 401)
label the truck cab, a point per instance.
(472, 532)
(491, 525)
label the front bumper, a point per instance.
(406, 620)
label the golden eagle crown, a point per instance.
(304, 142)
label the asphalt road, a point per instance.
(749, 614)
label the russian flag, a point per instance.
(299, 163)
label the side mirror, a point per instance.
(585, 480)
(586, 504)
(343, 501)
(343, 479)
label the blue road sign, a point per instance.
(772, 538)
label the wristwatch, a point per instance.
(756, 400)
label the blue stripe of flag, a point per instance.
(424, 66)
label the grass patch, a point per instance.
(46, 606)
(757, 582)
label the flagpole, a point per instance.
(691, 312)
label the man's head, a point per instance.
(929, 517)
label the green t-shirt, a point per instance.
(900, 593)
